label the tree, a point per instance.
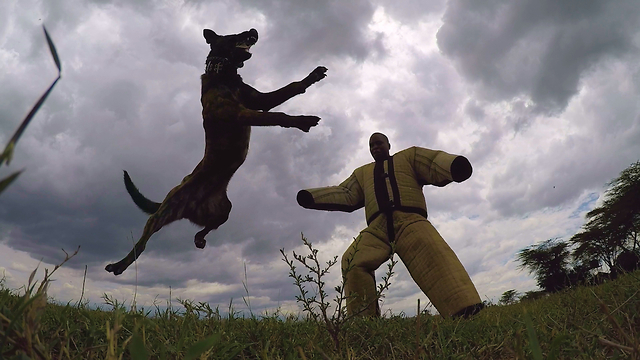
(623, 204)
(533, 295)
(548, 261)
(509, 297)
(613, 227)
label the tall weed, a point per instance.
(315, 301)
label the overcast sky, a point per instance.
(543, 97)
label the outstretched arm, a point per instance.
(256, 100)
(435, 167)
(219, 107)
(348, 196)
(266, 118)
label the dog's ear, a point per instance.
(209, 35)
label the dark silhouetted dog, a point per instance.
(229, 109)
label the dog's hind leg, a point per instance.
(220, 215)
(155, 223)
(199, 238)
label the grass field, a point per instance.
(584, 323)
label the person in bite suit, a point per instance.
(390, 190)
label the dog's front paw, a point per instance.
(116, 268)
(316, 75)
(305, 123)
(319, 73)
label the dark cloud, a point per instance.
(121, 97)
(129, 99)
(153, 129)
(15, 106)
(281, 163)
(487, 144)
(605, 140)
(529, 185)
(41, 223)
(322, 28)
(417, 103)
(474, 110)
(61, 15)
(411, 10)
(536, 49)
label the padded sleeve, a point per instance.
(348, 197)
(439, 168)
(461, 169)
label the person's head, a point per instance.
(379, 146)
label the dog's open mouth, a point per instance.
(244, 47)
(247, 44)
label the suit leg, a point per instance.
(359, 263)
(435, 267)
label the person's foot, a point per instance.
(469, 311)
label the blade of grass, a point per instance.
(52, 48)
(231, 350)
(201, 346)
(534, 345)
(8, 180)
(7, 154)
(556, 346)
(137, 349)
(18, 311)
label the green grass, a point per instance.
(583, 323)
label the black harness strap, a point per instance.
(386, 206)
(382, 196)
(394, 203)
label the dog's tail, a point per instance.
(143, 203)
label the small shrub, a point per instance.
(317, 305)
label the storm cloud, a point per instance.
(542, 97)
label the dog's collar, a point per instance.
(215, 64)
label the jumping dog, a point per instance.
(229, 109)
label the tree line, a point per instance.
(606, 246)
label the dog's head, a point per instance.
(228, 52)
